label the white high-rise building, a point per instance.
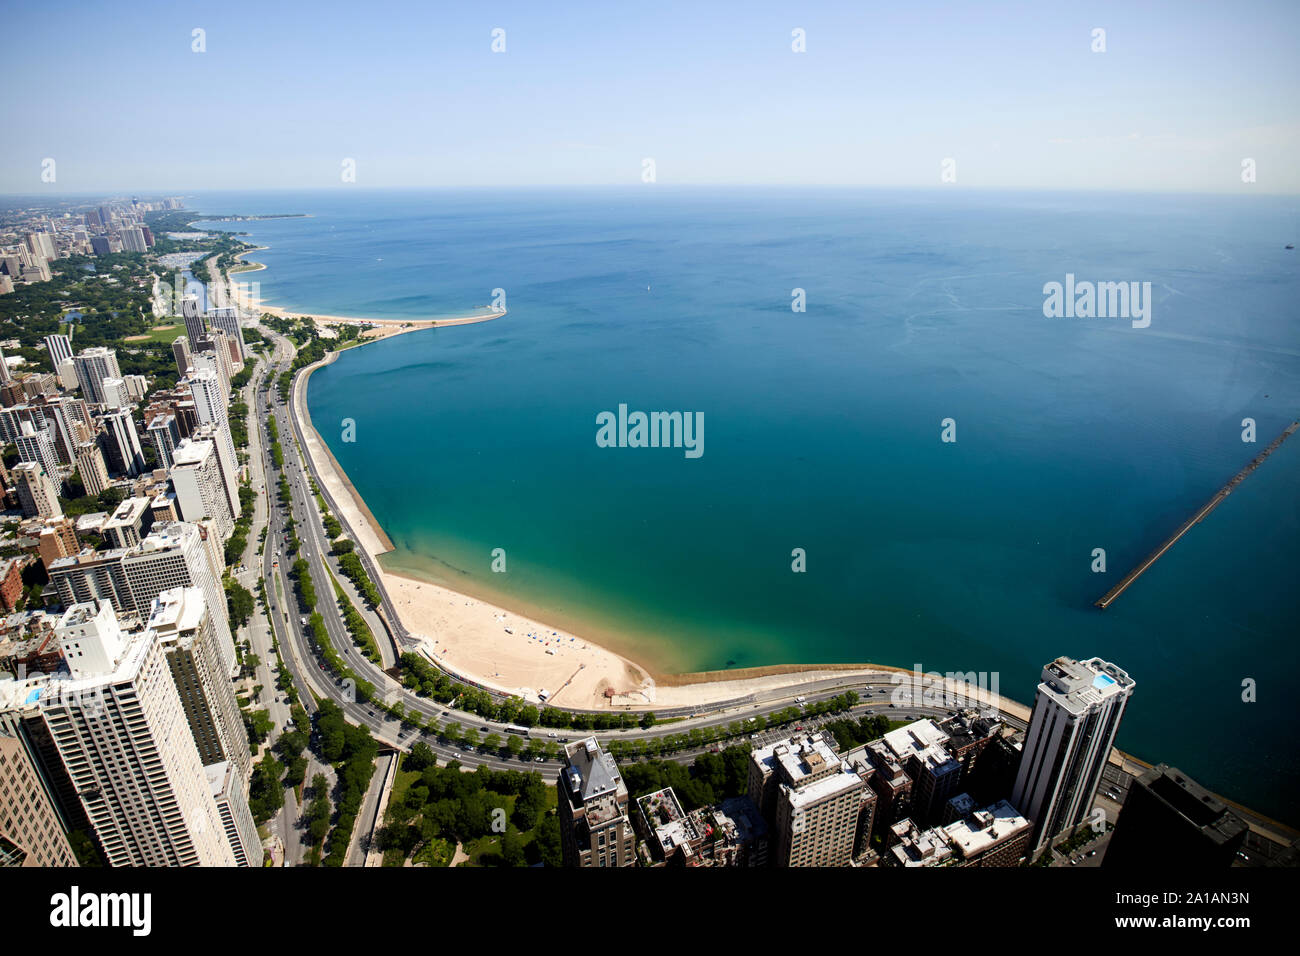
(219, 435)
(188, 633)
(120, 731)
(211, 405)
(37, 445)
(174, 555)
(93, 366)
(36, 493)
(200, 490)
(68, 375)
(1076, 715)
(91, 468)
(60, 349)
(165, 436)
(115, 394)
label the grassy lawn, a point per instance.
(164, 334)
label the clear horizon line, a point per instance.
(479, 187)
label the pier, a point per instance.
(1109, 597)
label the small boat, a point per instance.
(1290, 245)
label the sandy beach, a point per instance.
(235, 293)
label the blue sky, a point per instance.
(711, 92)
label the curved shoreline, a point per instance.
(258, 304)
(692, 688)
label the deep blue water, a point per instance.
(822, 430)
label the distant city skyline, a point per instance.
(1013, 94)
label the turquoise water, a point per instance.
(822, 430)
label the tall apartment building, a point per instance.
(120, 731)
(192, 312)
(93, 366)
(188, 634)
(37, 445)
(211, 404)
(129, 523)
(37, 495)
(1170, 821)
(133, 239)
(226, 319)
(165, 437)
(200, 491)
(115, 394)
(1077, 711)
(91, 467)
(180, 618)
(62, 415)
(593, 808)
(172, 555)
(218, 435)
(208, 357)
(181, 352)
(121, 443)
(60, 349)
(67, 373)
(31, 833)
(812, 799)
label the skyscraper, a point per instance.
(181, 352)
(1076, 715)
(593, 803)
(165, 436)
(37, 445)
(192, 312)
(60, 349)
(93, 366)
(119, 727)
(227, 319)
(200, 491)
(31, 833)
(122, 443)
(1169, 820)
(212, 406)
(91, 467)
(36, 493)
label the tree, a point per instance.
(240, 602)
(512, 847)
(514, 745)
(420, 757)
(547, 841)
(492, 742)
(647, 720)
